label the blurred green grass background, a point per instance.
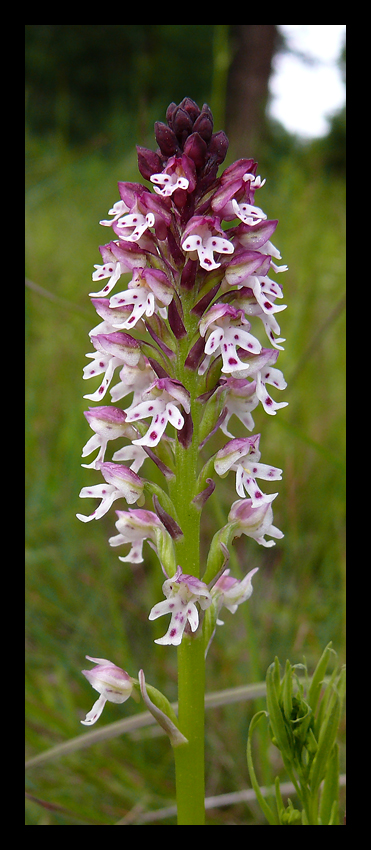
(80, 598)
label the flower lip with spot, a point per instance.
(245, 299)
(242, 397)
(113, 350)
(119, 209)
(108, 423)
(116, 261)
(112, 683)
(237, 186)
(182, 592)
(148, 209)
(201, 239)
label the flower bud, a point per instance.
(218, 146)
(195, 147)
(182, 123)
(149, 162)
(204, 123)
(190, 107)
(165, 139)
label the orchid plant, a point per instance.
(181, 291)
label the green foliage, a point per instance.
(307, 741)
(80, 598)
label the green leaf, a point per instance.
(287, 691)
(276, 719)
(326, 741)
(318, 676)
(329, 806)
(269, 814)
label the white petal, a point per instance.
(164, 607)
(220, 245)
(175, 416)
(192, 243)
(93, 715)
(214, 340)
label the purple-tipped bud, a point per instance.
(166, 139)
(190, 107)
(149, 162)
(170, 112)
(181, 123)
(204, 123)
(195, 147)
(218, 146)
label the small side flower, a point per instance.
(112, 683)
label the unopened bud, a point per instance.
(195, 147)
(165, 139)
(149, 162)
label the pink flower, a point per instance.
(111, 682)
(242, 455)
(182, 592)
(108, 423)
(254, 521)
(179, 173)
(147, 288)
(230, 592)
(134, 527)
(121, 482)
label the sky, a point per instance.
(303, 94)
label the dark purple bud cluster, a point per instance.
(189, 131)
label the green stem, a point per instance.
(189, 758)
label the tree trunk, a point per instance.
(253, 47)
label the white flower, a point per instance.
(200, 239)
(163, 397)
(134, 527)
(242, 455)
(226, 332)
(255, 522)
(230, 592)
(182, 592)
(248, 213)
